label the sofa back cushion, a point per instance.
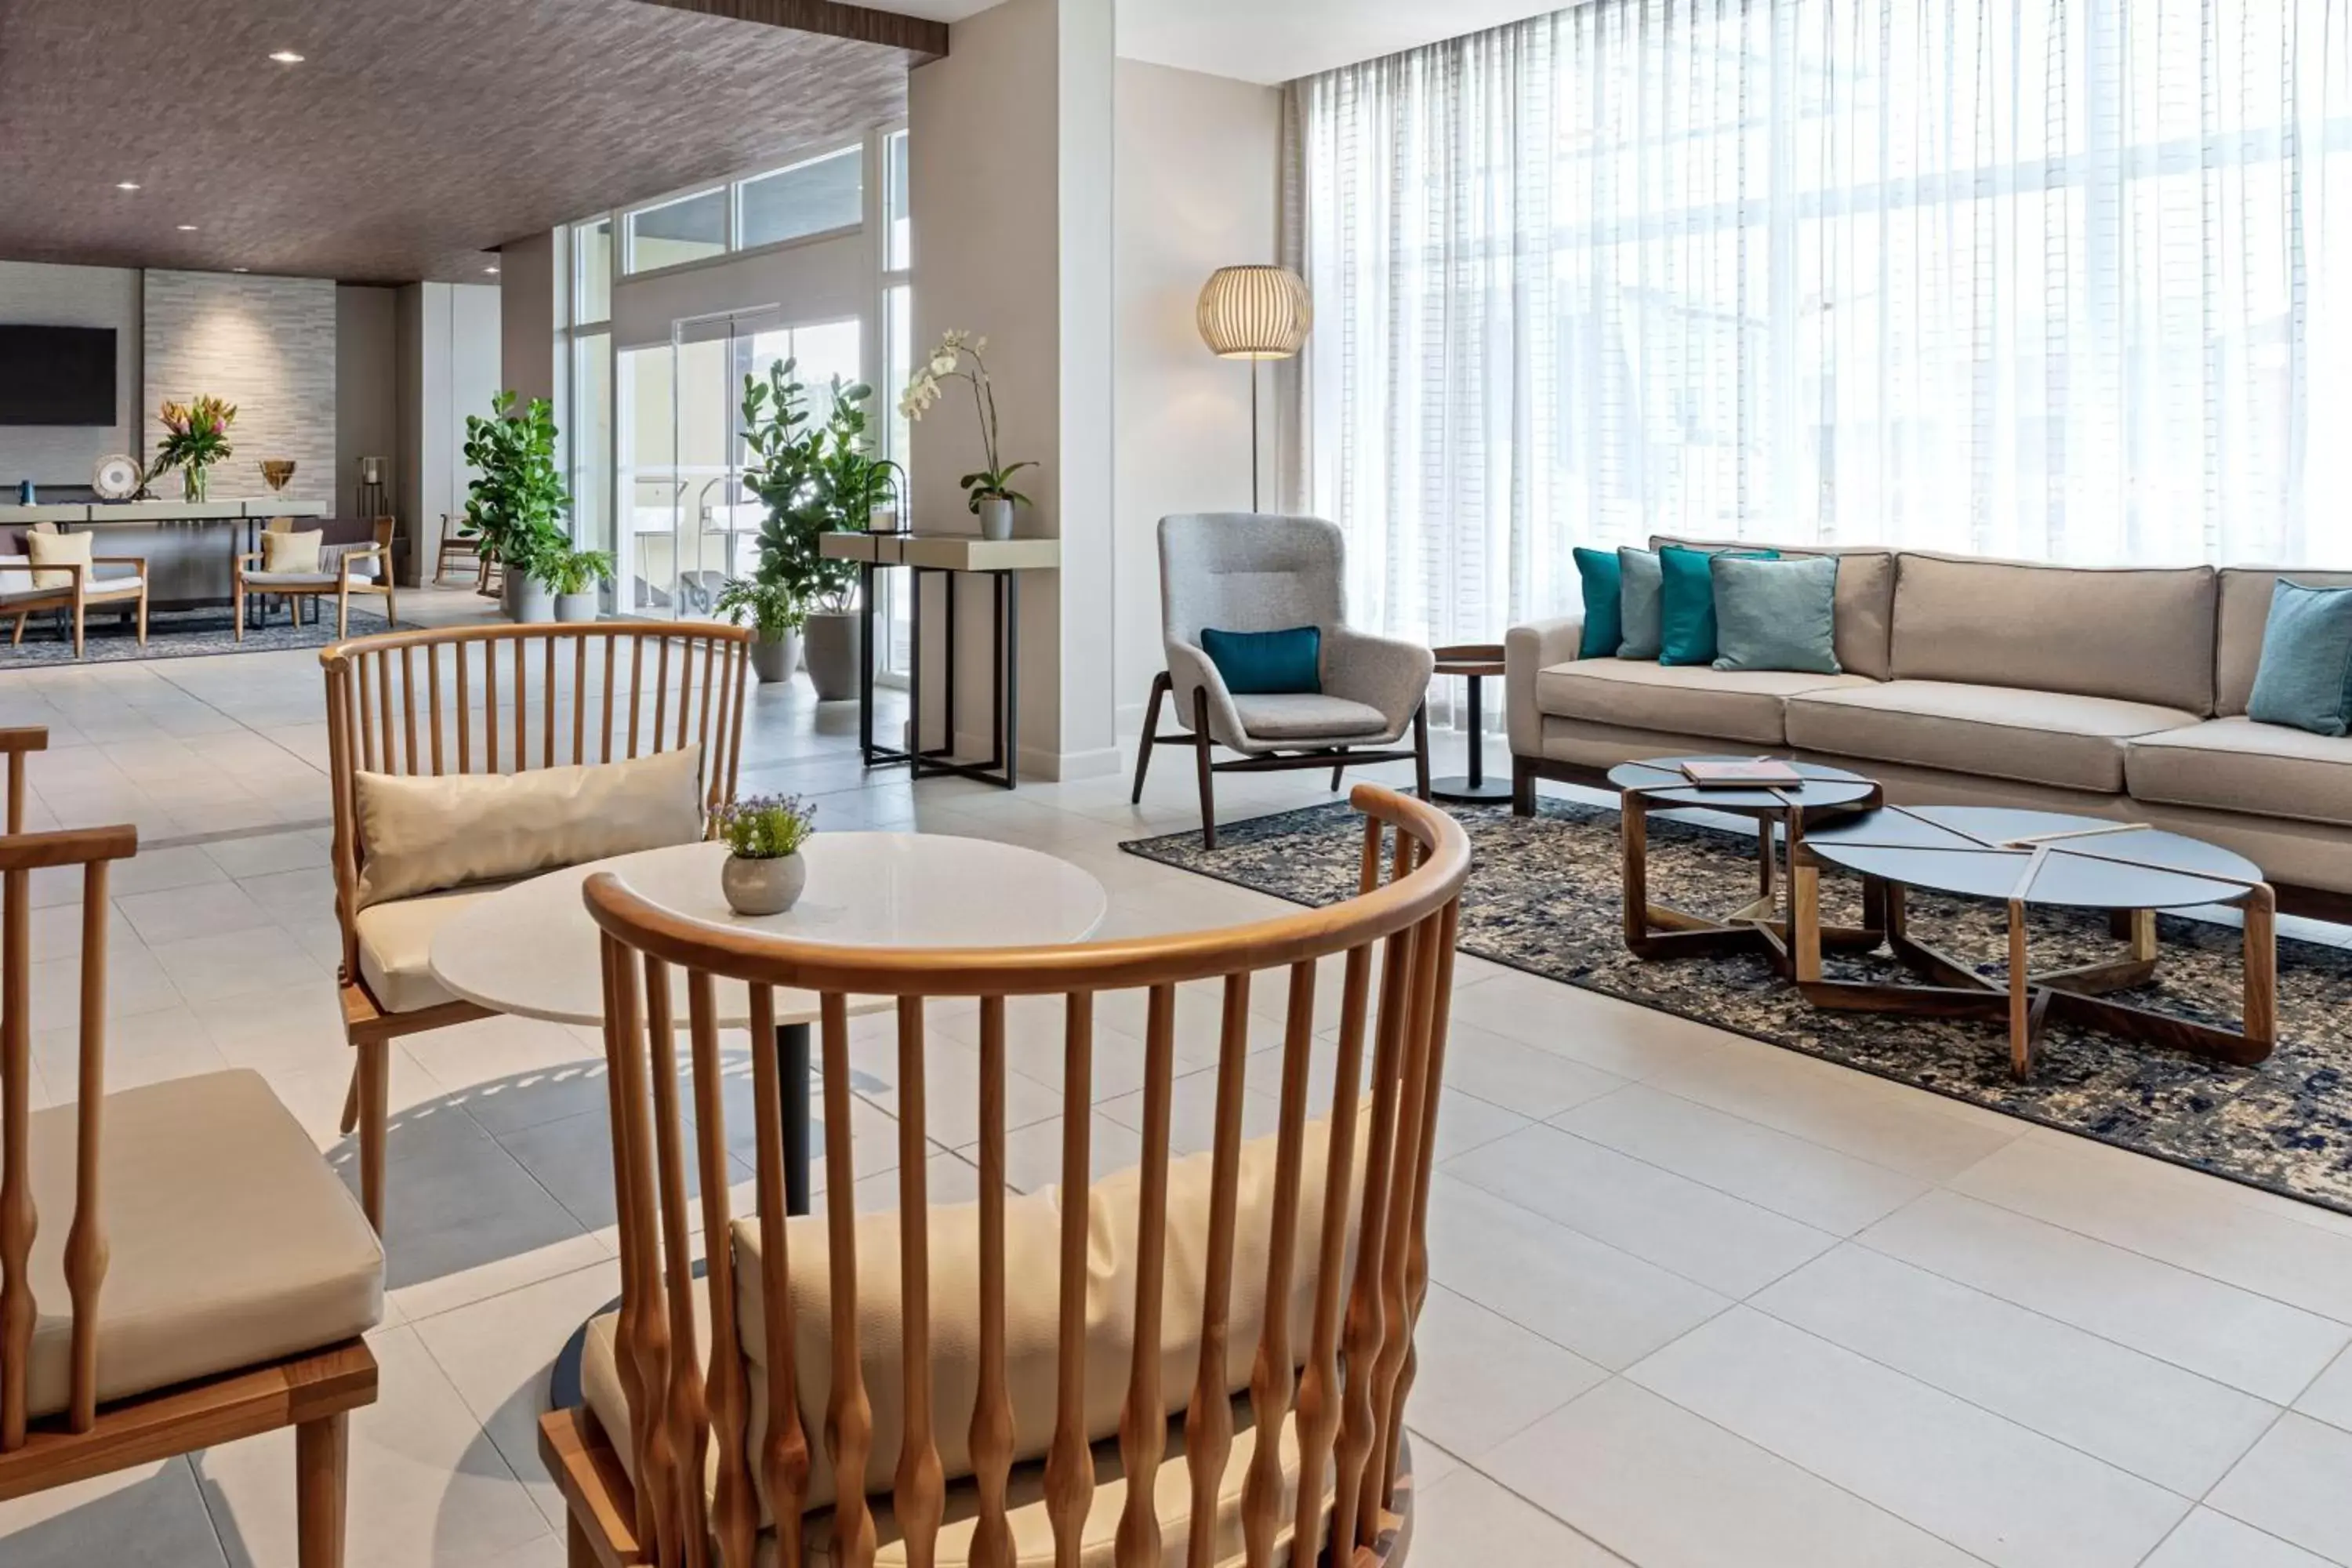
(2138, 635)
(420, 834)
(1865, 595)
(2245, 611)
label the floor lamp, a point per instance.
(1255, 313)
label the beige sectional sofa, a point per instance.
(2112, 692)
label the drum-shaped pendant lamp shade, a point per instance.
(1255, 313)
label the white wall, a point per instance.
(1199, 187)
(1009, 180)
(822, 280)
(449, 368)
(36, 294)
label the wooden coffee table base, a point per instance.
(2078, 995)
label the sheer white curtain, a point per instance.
(2065, 279)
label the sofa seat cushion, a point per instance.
(2000, 731)
(232, 1242)
(2237, 765)
(1307, 716)
(397, 947)
(1732, 704)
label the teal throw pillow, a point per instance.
(1637, 604)
(1604, 625)
(2304, 680)
(1267, 664)
(1776, 614)
(1686, 603)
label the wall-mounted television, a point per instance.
(57, 375)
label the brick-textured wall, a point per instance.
(266, 345)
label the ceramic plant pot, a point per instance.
(996, 517)
(527, 599)
(836, 643)
(773, 659)
(763, 887)
(574, 609)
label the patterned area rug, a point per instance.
(174, 634)
(1543, 898)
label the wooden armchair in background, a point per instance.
(484, 701)
(943, 1366)
(28, 588)
(209, 1278)
(360, 563)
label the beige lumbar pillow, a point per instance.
(291, 552)
(418, 835)
(47, 549)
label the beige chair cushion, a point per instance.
(397, 947)
(2041, 736)
(232, 1242)
(265, 579)
(45, 549)
(2237, 765)
(1306, 716)
(2245, 613)
(1739, 705)
(291, 552)
(418, 833)
(1865, 595)
(2134, 634)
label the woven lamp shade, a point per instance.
(1255, 313)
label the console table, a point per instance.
(950, 555)
(182, 570)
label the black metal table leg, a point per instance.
(1012, 677)
(1474, 789)
(865, 666)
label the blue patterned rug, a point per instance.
(1544, 898)
(108, 637)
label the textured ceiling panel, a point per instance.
(414, 135)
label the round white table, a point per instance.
(532, 951)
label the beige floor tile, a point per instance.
(1987, 1485)
(1482, 1377)
(1719, 1241)
(152, 1514)
(1525, 1079)
(1665, 1488)
(201, 908)
(2293, 1485)
(2248, 1342)
(1468, 1519)
(1616, 1038)
(2330, 1399)
(2209, 1540)
(2141, 1414)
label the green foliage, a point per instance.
(767, 826)
(516, 508)
(815, 477)
(769, 608)
(570, 570)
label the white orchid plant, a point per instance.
(960, 356)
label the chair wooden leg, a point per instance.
(17, 640)
(375, 1117)
(579, 1550)
(391, 615)
(238, 601)
(352, 1099)
(321, 1465)
(1160, 686)
(77, 632)
(143, 617)
(1339, 773)
(1420, 751)
(1201, 750)
(342, 616)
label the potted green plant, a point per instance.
(574, 575)
(815, 477)
(763, 873)
(517, 502)
(988, 491)
(775, 619)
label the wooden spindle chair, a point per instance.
(209, 1278)
(1290, 1268)
(494, 700)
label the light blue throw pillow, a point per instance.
(1777, 614)
(1640, 604)
(2304, 680)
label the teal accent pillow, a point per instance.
(1637, 604)
(1776, 614)
(2304, 679)
(1686, 603)
(1267, 664)
(1604, 624)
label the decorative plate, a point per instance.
(116, 477)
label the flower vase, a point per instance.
(763, 887)
(192, 482)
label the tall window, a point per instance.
(2067, 279)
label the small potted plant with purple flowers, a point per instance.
(764, 872)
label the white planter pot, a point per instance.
(775, 658)
(836, 642)
(996, 517)
(527, 600)
(574, 609)
(763, 887)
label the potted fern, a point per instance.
(574, 576)
(775, 619)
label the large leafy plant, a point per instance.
(516, 505)
(816, 476)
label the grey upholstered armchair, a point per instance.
(1244, 571)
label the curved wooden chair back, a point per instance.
(494, 700)
(1350, 1425)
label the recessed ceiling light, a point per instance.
(491, 270)
(285, 57)
(240, 270)
(126, 184)
(187, 229)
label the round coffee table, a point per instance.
(1477, 663)
(1655, 930)
(2025, 858)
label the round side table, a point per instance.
(1476, 663)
